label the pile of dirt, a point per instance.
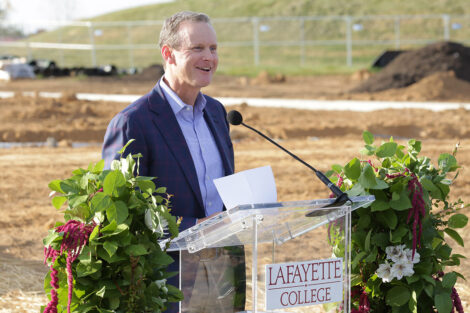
(412, 66)
(151, 73)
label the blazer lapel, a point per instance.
(214, 126)
(165, 121)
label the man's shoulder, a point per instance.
(141, 105)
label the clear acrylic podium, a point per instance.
(232, 251)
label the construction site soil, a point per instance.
(412, 66)
(322, 138)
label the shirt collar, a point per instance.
(175, 101)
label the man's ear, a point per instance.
(167, 54)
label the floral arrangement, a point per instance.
(401, 257)
(105, 257)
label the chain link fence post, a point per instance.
(130, 45)
(91, 33)
(302, 41)
(348, 20)
(397, 33)
(446, 24)
(255, 22)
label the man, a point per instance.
(183, 135)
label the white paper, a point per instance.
(247, 187)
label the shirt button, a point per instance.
(210, 203)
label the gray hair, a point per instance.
(169, 34)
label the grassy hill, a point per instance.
(324, 49)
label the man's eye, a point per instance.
(213, 49)
(197, 48)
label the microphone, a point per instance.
(235, 118)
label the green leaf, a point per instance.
(367, 242)
(398, 234)
(380, 184)
(110, 228)
(162, 258)
(454, 235)
(55, 186)
(118, 211)
(113, 302)
(379, 205)
(368, 150)
(387, 149)
(390, 218)
(58, 201)
(136, 250)
(403, 203)
(172, 225)
(414, 145)
(413, 303)
(444, 252)
(112, 182)
(110, 247)
(352, 170)
(95, 232)
(50, 237)
(367, 177)
(356, 190)
(88, 268)
(428, 185)
(98, 167)
(337, 168)
(381, 240)
(69, 187)
(100, 293)
(443, 302)
(399, 153)
(458, 221)
(368, 137)
(161, 190)
(75, 201)
(125, 146)
(447, 162)
(449, 280)
(100, 202)
(398, 296)
(146, 186)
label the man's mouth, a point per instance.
(205, 69)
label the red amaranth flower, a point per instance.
(52, 305)
(74, 237)
(417, 210)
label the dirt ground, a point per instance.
(322, 138)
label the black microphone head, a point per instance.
(234, 117)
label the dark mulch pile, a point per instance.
(412, 66)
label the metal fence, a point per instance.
(243, 42)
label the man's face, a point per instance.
(192, 64)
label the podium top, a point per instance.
(278, 222)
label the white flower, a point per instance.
(409, 253)
(401, 269)
(385, 272)
(396, 253)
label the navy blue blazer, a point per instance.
(165, 154)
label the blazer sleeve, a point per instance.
(122, 128)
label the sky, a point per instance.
(60, 10)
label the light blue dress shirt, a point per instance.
(201, 144)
